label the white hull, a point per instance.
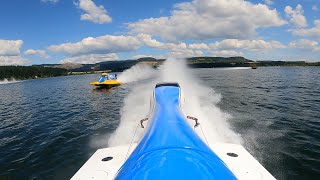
(244, 166)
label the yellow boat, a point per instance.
(107, 81)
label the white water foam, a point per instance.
(231, 68)
(199, 101)
(9, 81)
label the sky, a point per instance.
(91, 31)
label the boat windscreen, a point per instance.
(102, 78)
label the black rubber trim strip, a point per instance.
(167, 84)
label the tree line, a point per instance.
(28, 72)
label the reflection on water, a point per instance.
(103, 90)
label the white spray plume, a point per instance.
(136, 107)
(198, 101)
(8, 81)
(201, 102)
(136, 73)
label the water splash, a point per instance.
(136, 107)
(136, 73)
(198, 100)
(8, 81)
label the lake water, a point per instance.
(50, 127)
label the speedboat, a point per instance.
(107, 81)
(171, 149)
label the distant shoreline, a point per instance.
(85, 73)
(54, 70)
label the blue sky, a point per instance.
(89, 31)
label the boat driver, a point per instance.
(103, 77)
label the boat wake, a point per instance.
(168, 139)
(232, 68)
(9, 81)
(198, 101)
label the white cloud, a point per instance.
(179, 50)
(250, 45)
(311, 32)
(90, 58)
(226, 53)
(296, 16)
(94, 13)
(147, 40)
(115, 44)
(10, 53)
(268, 2)
(315, 8)
(305, 44)
(198, 46)
(13, 60)
(185, 53)
(40, 53)
(99, 45)
(225, 47)
(10, 47)
(208, 19)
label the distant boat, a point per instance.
(107, 81)
(171, 149)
